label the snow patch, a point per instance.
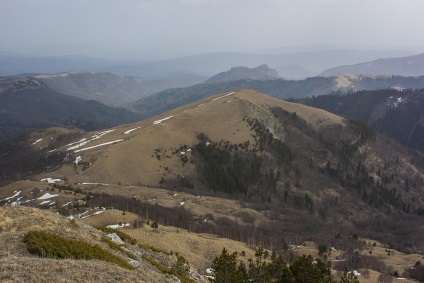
(209, 270)
(17, 193)
(37, 141)
(115, 226)
(102, 144)
(131, 130)
(101, 134)
(103, 184)
(43, 202)
(47, 196)
(161, 120)
(182, 203)
(223, 96)
(50, 180)
(80, 141)
(77, 160)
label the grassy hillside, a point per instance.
(247, 167)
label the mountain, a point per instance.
(278, 88)
(237, 165)
(193, 67)
(264, 169)
(28, 103)
(401, 66)
(262, 72)
(108, 88)
(396, 113)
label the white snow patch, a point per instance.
(161, 120)
(37, 141)
(78, 159)
(53, 202)
(80, 141)
(182, 152)
(100, 134)
(52, 150)
(17, 193)
(200, 105)
(188, 150)
(115, 226)
(356, 273)
(67, 203)
(78, 145)
(102, 144)
(223, 96)
(50, 180)
(174, 195)
(131, 130)
(47, 196)
(182, 203)
(95, 213)
(104, 184)
(209, 270)
(44, 202)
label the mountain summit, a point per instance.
(262, 72)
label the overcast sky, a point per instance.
(169, 28)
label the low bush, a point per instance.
(45, 244)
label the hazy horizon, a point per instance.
(162, 29)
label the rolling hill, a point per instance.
(262, 72)
(401, 66)
(298, 162)
(239, 165)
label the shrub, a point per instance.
(44, 244)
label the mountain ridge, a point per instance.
(262, 72)
(403, 66)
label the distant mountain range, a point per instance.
(278, 88)
(290, 65)
(27, 103)
(402, 66)
(262, 72)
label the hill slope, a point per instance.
(262, 72)
(295, 165)
(402, 66)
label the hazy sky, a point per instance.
(156, 28)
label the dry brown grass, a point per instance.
(133, 161)
(17, 265)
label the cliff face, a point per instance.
(269, 121)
